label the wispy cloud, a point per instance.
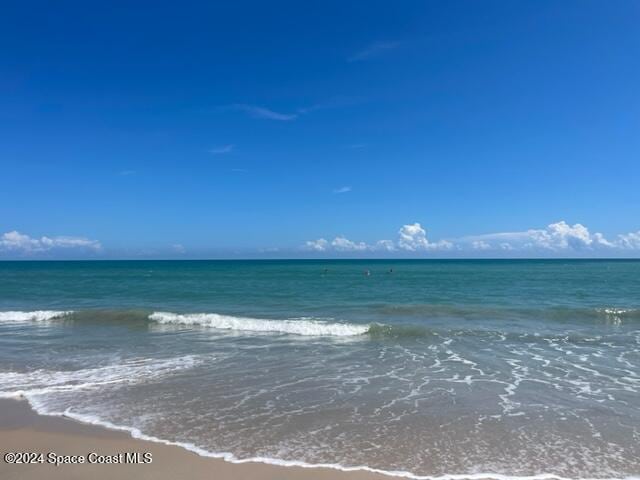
(342, 190)
(221, 150)
(178, 248)
(373, 50)
(335, 102)
(256, 111)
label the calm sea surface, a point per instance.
(427, 367)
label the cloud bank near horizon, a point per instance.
(557, 237)
(411, 240)
(17, 242)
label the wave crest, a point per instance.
(36, 315)
(296, 327)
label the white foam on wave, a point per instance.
(231, 458)
(296, 327)
(36, 315)
(41, 381)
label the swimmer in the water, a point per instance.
(367, 273)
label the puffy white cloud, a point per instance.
(385, 245)
(414, 238)
(345, 245)
(338, 244)
(19, 242)
(556, 237)
(319, 245)
(480, 245)
(441, 245)
(561, 235)
(629, 241)
(411, 237)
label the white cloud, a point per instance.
(345, 245)
(441, 245)
(385, 245)
(17, 242)
(319, 245)
(480, 245)
(412, 238)
(629, 241)
(256, 111)
(342, 190)
(559, 236)
(221, 150)
(562, 235)
(373, 50)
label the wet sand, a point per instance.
(23, 430)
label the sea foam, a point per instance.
(36, 315)
(231, 458)
(42, 381)
(304, 327)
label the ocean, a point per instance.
(426, 368)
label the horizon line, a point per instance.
(244, 259)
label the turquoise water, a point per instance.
(510, 367)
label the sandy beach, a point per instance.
(23, 430)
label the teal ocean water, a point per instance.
(430, 368)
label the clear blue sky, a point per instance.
(251, 128)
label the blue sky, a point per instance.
(261, 129)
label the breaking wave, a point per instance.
(36, 315)
(305, 327)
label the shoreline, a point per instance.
(22, 429)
